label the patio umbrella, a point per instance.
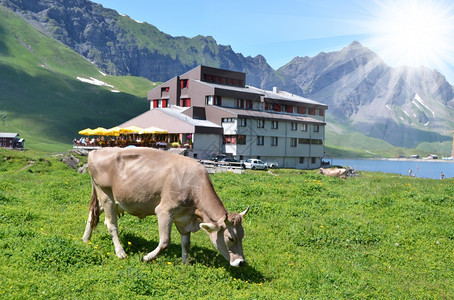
(99, 131)
(113, 131)
(152, 129)
(130, 129)
(86, 131)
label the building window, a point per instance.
(217, 100)
(229, 139)
(249, 104)
(304, 141)
(260, 123)
(321, 112)
(316, 128)
(243, 122)
(301, 160)
(228, 120)
(209, 100)
(274, 141)
(185, 102)
(234, 139)
(294, 126)
(312, 111)
(184, 84)
(302, 110)
(240, 103)
(274, 124)
(303, 127)
(241, 139)
(313, 160)
(293, 142)
(260, 140)
(289, 109)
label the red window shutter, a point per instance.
(182, 84)
(164, 103)
(276, 107)
(312, 111)
(188, 102)
(322, 112)
(289, 109)
(266, 106)
(155, 103)
(301, 110)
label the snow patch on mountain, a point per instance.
(420, 101)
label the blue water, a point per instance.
(420, 168)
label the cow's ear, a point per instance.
(209, 227)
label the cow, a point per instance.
(334, 172)
(177, 189)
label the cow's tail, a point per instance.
(94, 208)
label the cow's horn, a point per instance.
(244, 212)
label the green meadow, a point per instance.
(307, 236)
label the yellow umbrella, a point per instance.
(87, 131)
(99, 131)
(152, 129)
(130, 129)
(113, 131)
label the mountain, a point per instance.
(120, 45)
(402, 106)
(368, 100)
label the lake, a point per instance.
(420, 168)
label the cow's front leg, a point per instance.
(185, 243)
(165, 225)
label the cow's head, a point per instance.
(227, 236)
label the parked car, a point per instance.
(255, 164)
(272, 165)
(228, 161)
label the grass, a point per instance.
(307, 236)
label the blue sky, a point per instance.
(282, 30)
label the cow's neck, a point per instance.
(211, 207)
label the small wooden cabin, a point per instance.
(11, 141)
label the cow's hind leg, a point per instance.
(165, 225)
(110, 221)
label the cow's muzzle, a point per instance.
(238, 262)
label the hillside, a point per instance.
(41, 96)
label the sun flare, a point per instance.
(414, 32)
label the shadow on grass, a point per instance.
(134, 244)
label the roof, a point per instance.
(8, 135)
(230, 88)
(278, 95)
(286, 96)
(171, 119)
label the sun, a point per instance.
(414, 32)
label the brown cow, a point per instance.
(177, 189)
(334, 172)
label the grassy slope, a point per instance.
(307, 236)
(44, 101)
